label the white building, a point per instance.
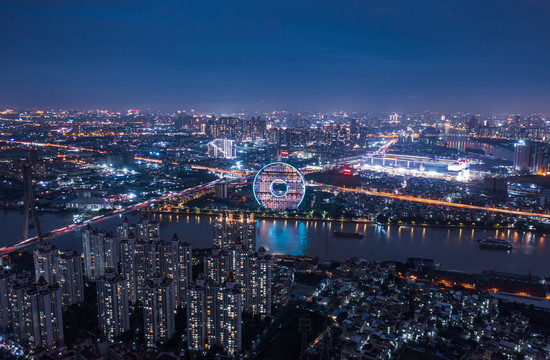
(222, 148)
(87, 203)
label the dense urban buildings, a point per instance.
(151, 276)
(236, 279)
(37, 320)
(153, 291)
(531, 159)
(351, 180)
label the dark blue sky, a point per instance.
(356, 55)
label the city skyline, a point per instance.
(352, 179)
(364, 56)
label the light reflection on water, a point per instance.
(454, 248)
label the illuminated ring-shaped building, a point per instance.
(279, 186)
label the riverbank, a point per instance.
(454, 247)
(216, 213)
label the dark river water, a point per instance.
(453, 248)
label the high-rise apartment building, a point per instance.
(185, 273)
(237, 256)
(69, 275)
(215, 315)
(213, 302)
(196, 314)
(231, 320)
(257, 283)
(36, 314)
(531, 159)
(124, 229)
(17, 304)
(216, 265)
(137, 253)
(228, 228)
(158, 310)
(112, 303)
(93, 246)
(44, 265)
(6, 277)
(127, 256)
(146, 228)
(110, 246)
(141, 266)
(137, 265)
(63, 267)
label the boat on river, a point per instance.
(352, 235)
(494, 244)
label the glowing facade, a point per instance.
(43, 258)
(222, 148)
(256, 276)
(68, 273)
(112, 302)
(36, 314)
(279, 186)
(6, 277)
(158, 310)
(215, 315)
(231, 228)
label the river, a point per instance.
(453, 248)
(462, 143)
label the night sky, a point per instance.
(354, 55)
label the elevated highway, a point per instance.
(429, 201)
(69, 228)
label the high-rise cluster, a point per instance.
(236, 278)
(136, 265)
(63, 267)
(214, 313)
(31, 306)
(531, 159)
(32, 310)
